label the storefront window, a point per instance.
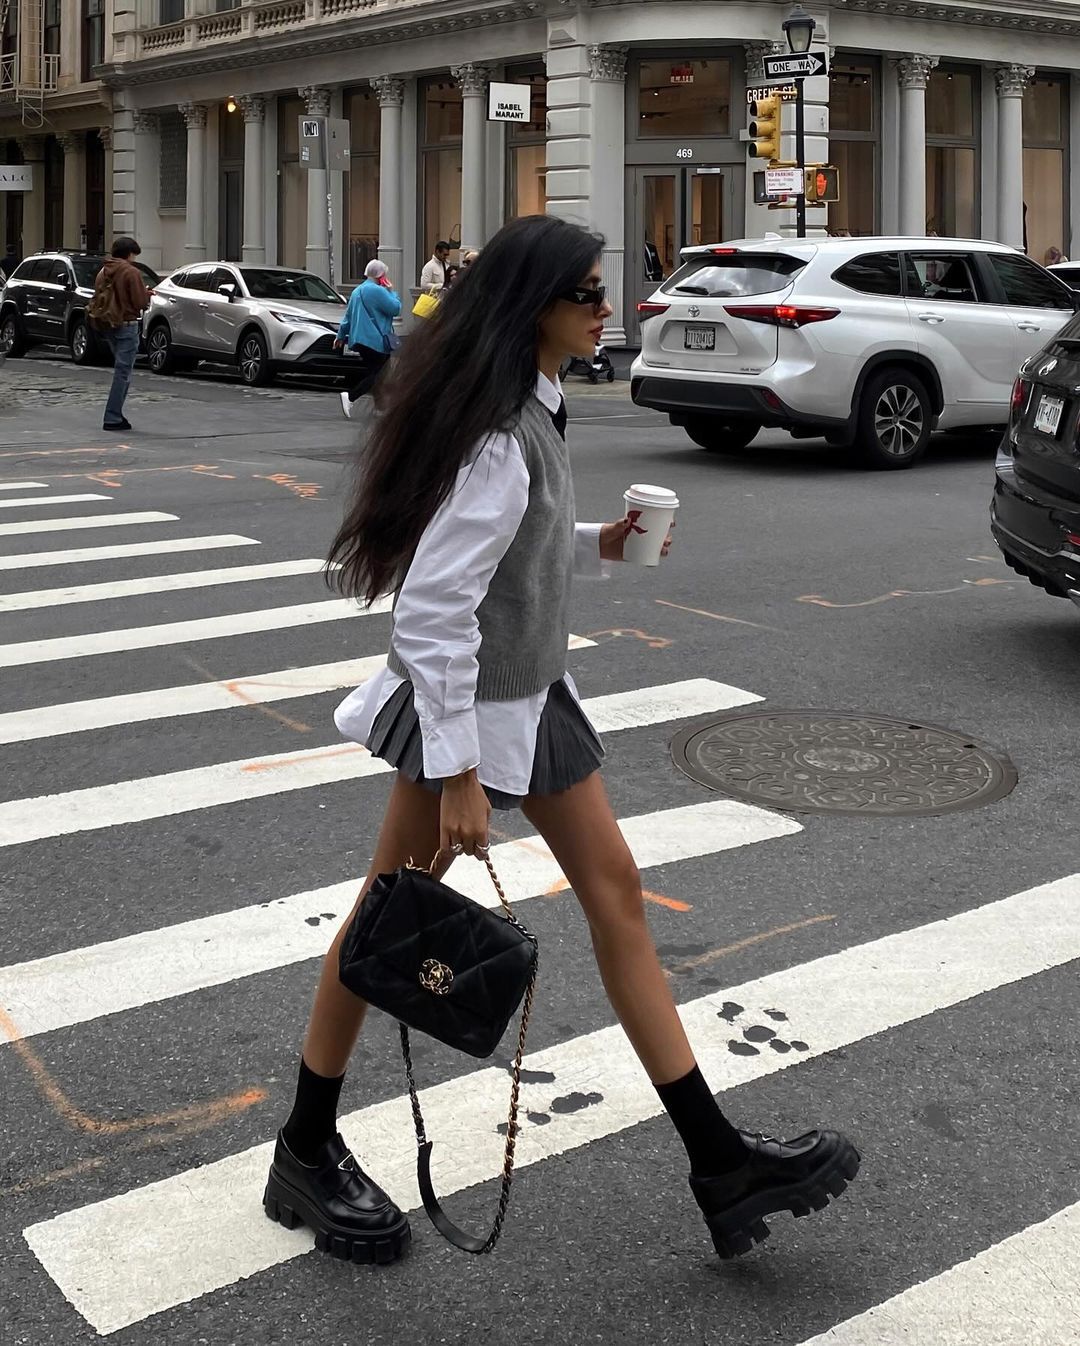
(684, 99)
(440, 163)
(362, 185)
(292, 188)
(526, 148)
(1045, 157)
(853, 145)
(952, 158)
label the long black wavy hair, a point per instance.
(464, 374)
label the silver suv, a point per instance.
(263, 319)
(872, 342)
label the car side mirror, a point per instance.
(227, 292)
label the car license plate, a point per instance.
(1048, 415)
(701, 338)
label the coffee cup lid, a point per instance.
(658, 496)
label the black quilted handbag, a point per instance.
(441, 963)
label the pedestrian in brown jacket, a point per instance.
(120, 298)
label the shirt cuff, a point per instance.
(587, 562)
(451, 744)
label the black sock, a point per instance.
(712, 1143)
(313, 1119)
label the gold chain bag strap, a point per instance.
(452, 968)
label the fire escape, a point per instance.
(27, 72)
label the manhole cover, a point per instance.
(828, 762)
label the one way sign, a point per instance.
(782, 68)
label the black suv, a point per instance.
(44, 303)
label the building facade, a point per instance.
(55, 120)
(951, 118)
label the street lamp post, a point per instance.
(799, 30)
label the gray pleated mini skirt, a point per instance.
(568, 748)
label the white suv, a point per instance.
(874, 342)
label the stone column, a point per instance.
(607, 99)
(1011, 81)
(391, 95)
(913, 74)
(194, 115)
(146, 183)
(73, 143)
(33, 230)
(472, 80)
(317, 252)
(253, 109)
(569, 120)
(105, 135)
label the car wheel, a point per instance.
(253, 359)
(894, 420)
(611, 376)
(12, 338)
(720, 436)
(83, 345)
(159, 350)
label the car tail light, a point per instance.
(771, 400)
(1072, 539)
(1019, 396)
(724, 252)
(781, 315)
(650, 310)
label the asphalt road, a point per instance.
(172, 799)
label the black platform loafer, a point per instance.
(351, 1215)
(797, 1175)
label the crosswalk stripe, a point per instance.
(182, 633)
(149, 1249)
(30, 560)
(84, 984)
(28, 527)
(1020, 1290)
(157, 584)
(23, 501)
(23, 485)
(199, 788)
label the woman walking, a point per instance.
(469, 516)
(367, 328)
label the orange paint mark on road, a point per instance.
(308, 757)
(716, 616)
(234, 689)
(306, 490)
(561, 885)
(207, 1113)
(53, 453)
(985, 582)
(654, 642)
(713, 955)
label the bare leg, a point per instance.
(580, 828)
(410, 831)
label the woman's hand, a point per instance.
(463, 816)
(614, 535)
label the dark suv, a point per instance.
(44, 303)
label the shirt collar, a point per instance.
(548, 394)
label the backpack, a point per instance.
(104, 310)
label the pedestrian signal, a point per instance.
(822, 184)
(765, 128)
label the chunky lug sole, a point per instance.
(288, 1207)
(737, 1229)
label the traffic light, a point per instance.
(822, 184)
(765, 128)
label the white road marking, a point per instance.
(157, 584)
(50, 500)
(121, 552)
(183, 633)
(83, 984)
(120, 1260)
(18, 726)
(23, 485)
(28, 527)
(204, 787)
(1020, 1290)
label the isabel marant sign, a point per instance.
(509, 102)
(16, 178)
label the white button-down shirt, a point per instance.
(437, 635)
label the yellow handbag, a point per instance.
(425, 306)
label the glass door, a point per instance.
(671, 209)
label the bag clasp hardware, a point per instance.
(435, 976)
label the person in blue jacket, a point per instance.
(367, 329)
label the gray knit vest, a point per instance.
(525, 615)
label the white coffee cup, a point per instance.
(651, 510)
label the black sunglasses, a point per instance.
(594, 297)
